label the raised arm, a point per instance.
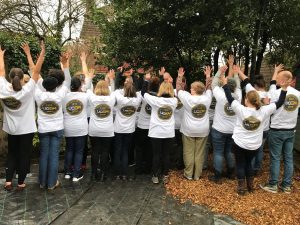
(180, 85)
(230, 62)
(26, 49)
(145, 84)
(208, 81)
(227, 91)
(37, 69)
(216, 78)
(65, 64)
(110, 79)
(2, 65)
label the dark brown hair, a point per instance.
(16, 75)
(259, 81)
(58, 74)
(154, 84)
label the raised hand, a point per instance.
(207, 71)
(223, 79)
(91, 73)
(26, 48)
(278, 68)
(161, 71)
(223, 69)
(230, 60)
(111, 74)
(83, 56)
(181, 72)
(236, 69)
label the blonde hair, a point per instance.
(198, 87)
(254, 99)
(166, 89)
(102, 88)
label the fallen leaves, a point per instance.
(259, 207)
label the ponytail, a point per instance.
(16, 75)
(254, 99)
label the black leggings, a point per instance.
(243, 160)
(18, 158)
(100, 150)
(161, 155)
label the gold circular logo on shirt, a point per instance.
(213, 103)
(251, 123)
(179, 104)
(291, 103)
(228, 110)
(148, 109)
(12, 103)
(49, 107)
(102, 111)
(165, 112)
(198, 111)
(128, 110)
(74, 107)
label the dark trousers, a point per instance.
(86, 148)
(244, 158)
(100, 151)
(122, 144)
(179, 150)
(143, 151)
(18, 158)
(73, 154)
(161, 155)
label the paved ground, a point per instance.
(112, 202)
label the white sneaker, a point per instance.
(78, 178)
(67, 176)
(155, 180)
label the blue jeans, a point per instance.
(49, 151)
(258, 159)
(281, 143)
(73, 154)
(122, 143)
(222, 144)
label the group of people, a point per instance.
(148, 111)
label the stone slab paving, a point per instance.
(111, 202)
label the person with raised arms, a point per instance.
(282, 134)
(195, 124)
(248, 130)
(161, 128)
(222, 127)
(49, 101)
(128, 101)
(19, 118)
(76, 124)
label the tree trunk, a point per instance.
(260, 54)
(256, 37)
(247, 59)
(216, 60)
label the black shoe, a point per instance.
(215, 178)
(124, 178)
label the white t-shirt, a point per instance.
(19, 108)
(162, 122)
(50, 114)
(66, 83)
(248, 131)
(145, 115)
(88, 86)
(75, 114)
(195, 121)
(262, 95)
(211, 110)
(126, 112)
(225, 118)
(101, 120)
(286, 116)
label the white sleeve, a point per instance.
(268, 109)
(208, 94)
(61, 92)
(237, 80)
(238, 92)
(218, 93)
(29, 86)
(183, 96)
(88, 83)
(249, 87)
(215, 81)
(67, 82)
(39, 84)
(151, 100)
(237, 107)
